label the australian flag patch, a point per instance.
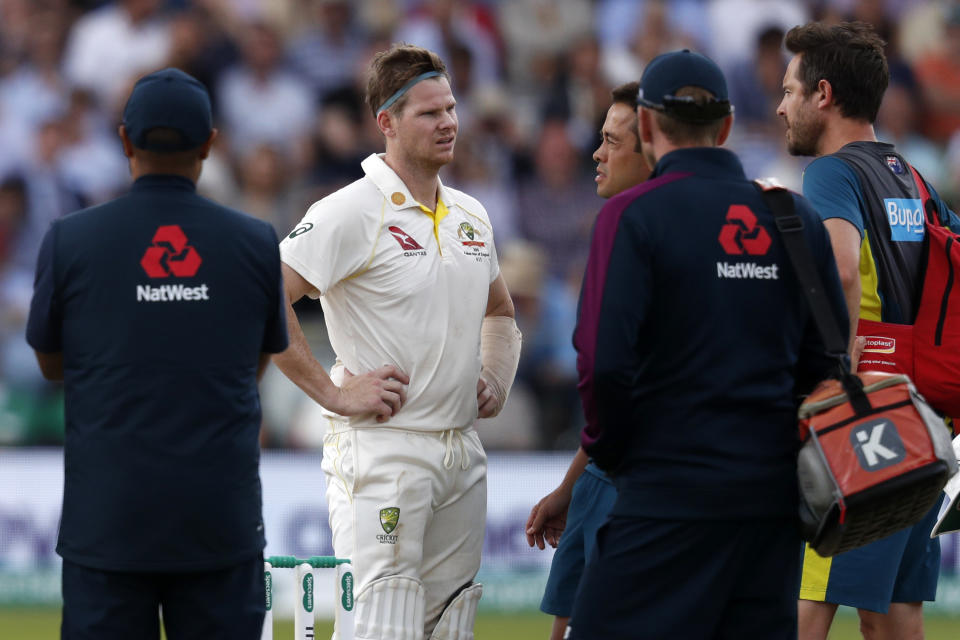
(895, 165)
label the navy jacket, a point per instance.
(161, 302)
(693, 340)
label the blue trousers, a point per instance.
(209, 605)
(653, 579)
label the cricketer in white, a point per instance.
(406, 271)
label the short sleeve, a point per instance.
(943, 211)
(833, 189)
(333, 241)
(45, 322)
(494, 262)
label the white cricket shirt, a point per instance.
(396, 289)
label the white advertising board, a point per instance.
(295, 516)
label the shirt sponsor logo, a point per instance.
(879, 344)
(747, 271)
(905, 216)
(410, 246)
(172, 293)
(742, 235)
(877, 443)
(302, 229)
(170, 255)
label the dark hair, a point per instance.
(165, 144)
(164, 139)
(393, 68)
(850, 57)
(626, 94)
(685, 132)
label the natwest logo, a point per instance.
(742, 234)
(170, 254)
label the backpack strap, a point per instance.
(780, 201)
(929, 206)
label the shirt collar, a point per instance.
(394, 191)
(706, 161)
(166, 181)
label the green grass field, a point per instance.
(44, 624)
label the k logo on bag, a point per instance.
(878, 445)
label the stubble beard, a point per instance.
(804, 135)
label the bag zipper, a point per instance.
(938, 338)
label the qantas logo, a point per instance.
(410, 246)
(170, 255)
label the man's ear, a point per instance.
(645, 125)
(823, 94)
(725, 130)
(386, 123)
(205, 149)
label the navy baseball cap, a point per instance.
(170, 99)
(669, 72)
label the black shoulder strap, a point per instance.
(929, 206)
(790, 226)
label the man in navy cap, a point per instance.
(693, 338)
(159, 311)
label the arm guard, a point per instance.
(499, 354)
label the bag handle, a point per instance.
(790, 226)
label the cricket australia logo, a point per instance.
(468, 235)
(389, 518)
(878, 445)
(471, 243)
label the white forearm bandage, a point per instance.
(499, 354)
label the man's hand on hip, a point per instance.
(381, 391)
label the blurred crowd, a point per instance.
(532, 79)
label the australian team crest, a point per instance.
(389, 518)
(469, 236)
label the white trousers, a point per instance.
(408, 503)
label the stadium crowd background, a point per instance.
(532, 78)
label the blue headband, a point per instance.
(402, 90)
